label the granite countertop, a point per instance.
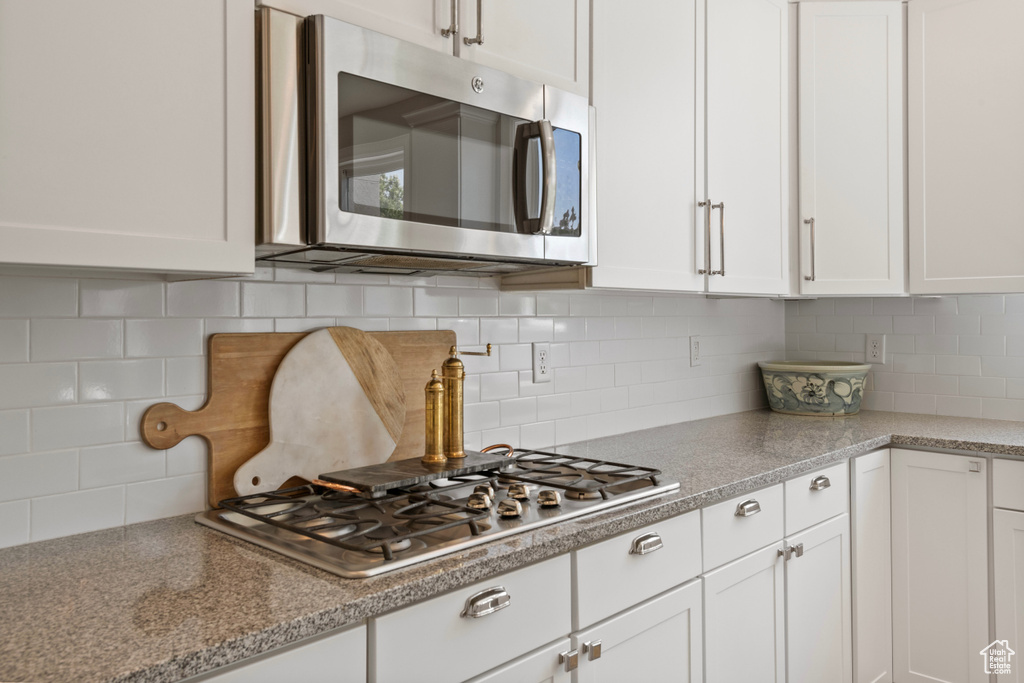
(163, 600)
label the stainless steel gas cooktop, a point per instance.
(352, 535)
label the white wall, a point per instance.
(959, 355)
(81, 359)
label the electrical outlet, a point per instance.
(874, 349)
(541, 362)
(695, 352)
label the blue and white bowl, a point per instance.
(825, 388)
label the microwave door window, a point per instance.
(416, 157)
(568, 204)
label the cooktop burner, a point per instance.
(355, 536)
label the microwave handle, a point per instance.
(543, 224)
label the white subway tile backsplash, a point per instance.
(1002, 409)
(81, 425)
(910, 324)
(435, 302)
(324, 300)
(387, 301)
(479, 416)
(14, 430)
(163, 337)
(583, 305)
(185, 376)
(817, 307)
(980, 304)
(76, 513)
(13, 341)
(872, 324)
(283, 274)
(236, 325)
(266, 300)
(500, 385)
(188, 457)
(203, 299)
(946, 385)
(302, 324)
(943, 344)
(499, 330)
(517, 411)
(985, 387)
(121, 299)
(935, 305)
(958, 406)
(958, 365)
(38, 474)
(119, 463)
(570, 430)
(517, 304)
(37, 384)
(405, 324)
(1015, 388)
(853, 306)
(14, 529)
(1002, 366)
(536, 435)
(28, 297)
(467, 330)
(75, 339)
(116, 380)
(914, 403)
(536, 330)
(515, 356)
(979, 345)
(892, 306)
(553, 304)
(958, 324)
(165, 498)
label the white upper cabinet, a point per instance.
(966, 94)
(414, 21)
(128, 134)
(745, 114)
(645, 99)
(851, 148)
(547, 41)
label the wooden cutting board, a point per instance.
(235, 419)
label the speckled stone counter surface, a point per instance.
(164, 600)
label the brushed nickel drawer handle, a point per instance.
(748, 508)
(820, 483)
(648, 543)
(486, 602)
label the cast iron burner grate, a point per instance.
(584, 477)
(380, 525)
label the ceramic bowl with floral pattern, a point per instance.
(814, 387)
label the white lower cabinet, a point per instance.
(658, 640)
(441, 640)
(744, 620)
(818, 637)
(539, 666)
(871, 557)
(939, 567)
(1009, 585)
(336, 658)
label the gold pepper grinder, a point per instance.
(453, 374)
(433, 452)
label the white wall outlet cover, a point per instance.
(696, 354)
(542, 371)
(874, 349)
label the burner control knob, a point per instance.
(518, 491)
(549, 498)
(484, 489)
(509, 507)
(479, 501)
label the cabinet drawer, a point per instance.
(1008, 484)
(728, 535)
(613, 575)
(459, 647)
(816, 496)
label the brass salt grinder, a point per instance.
(447, 422)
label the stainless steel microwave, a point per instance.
(378, 155)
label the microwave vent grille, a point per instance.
(412, 262)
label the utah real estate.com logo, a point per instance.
(998, 656)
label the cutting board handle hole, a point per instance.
(255, 481)
(161, 426)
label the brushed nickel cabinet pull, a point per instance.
(571, 659)
(592, 649)
(486, 602)
(648, 543)
(820, 483)
(706, 270)
(454, 27)
(479, 40)
(721, 232)
(810, 222)
(748, 508)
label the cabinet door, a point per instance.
(336, 658)
(644, 97)
(540, 666)
(658, 640)
(415, 21)
(1009, 580)
(744, 620)
(128, 135)
(746, 116)
(547, 41)
(939, 567)
(818, 640)
(872, 569)
(965, 94)
(851, 147)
